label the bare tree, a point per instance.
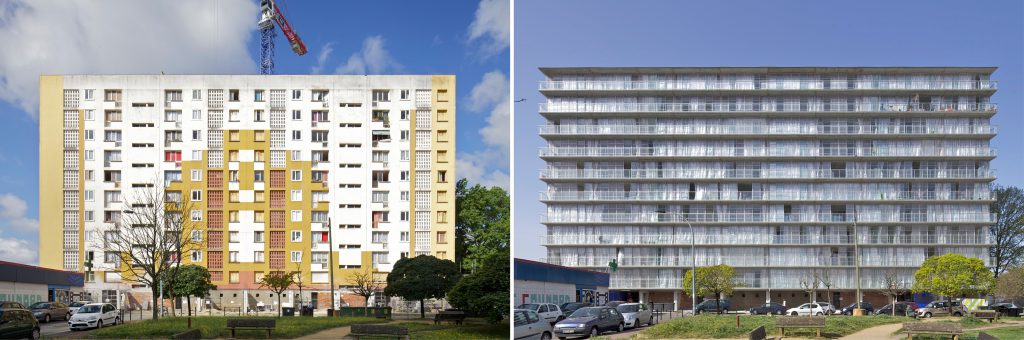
(366, 286)
(298, 282)
(893, 286)
(811, 285)
(150, 235)
(827, 281)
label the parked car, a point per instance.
(848, 310)
(1005, 308)
(636, 314)
(569, 307)
(11, 305)
(18, 323)
(941, 308)
(827, 307)
(768, 308)
(529, 325)
(901, 309)
(94, 315)
(46, 311)
(708, 306)
(806, 309)
(589, 322)
(613, 304)
(73, 307)
(547, 311)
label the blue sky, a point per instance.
(467, 38)
(758, 33)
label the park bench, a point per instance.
(816, 322)
(989, 315)
(378, 331)
(190, 334)
(251, 324)
(932, 328)
(452, 316)
(759, 333)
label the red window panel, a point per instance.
(277, 260)
(172, 156)
(378, 216)
(277, 239)
(214, 239)
(277, 178)
(214, 199)
(323, 237)
(277, 198)
(216, 276)
(214, 260)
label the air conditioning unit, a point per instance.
(326, 104)
(325, 144)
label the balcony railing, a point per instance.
(840, 85)
(721, 106)
(733, 217)
(784, 130)
(816, 195)
(702, 239)
(611, 151)
(765, 174)
(702, 260)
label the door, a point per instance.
(522, 324)
(604, 321)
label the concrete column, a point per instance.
(675, 300)
(643, 296)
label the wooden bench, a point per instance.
(191, 334)
(759, 333)
(816, 322)
(252, 324)
(932, 328)
(377, 331)
(989, 315)
(452, 316)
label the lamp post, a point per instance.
(693, 275)
(330, 260)
(856, 258)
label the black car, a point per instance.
(768, 308)
(1005, 309)
(569, 307)
(17, 323)
(588, 322)
(867, 307)
(709, 306)
(901, 309)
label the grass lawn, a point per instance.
(469, 330)
(215, 326)
(1005, 333)
(715, 326)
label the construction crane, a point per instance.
(269, 15)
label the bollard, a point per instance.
(737, 321)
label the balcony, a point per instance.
(717, 152)
(777, 85)
(685, 261)
(728, 106)
(682, 130)
(747, 217)
(779, 174)
(812, 195)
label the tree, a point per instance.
(278, 282)
(1008, 232)
(828, 282)
(485, 292)
(953, 275)
(420, 278)
(481, 223)
(298, 283)
(714, 280)
(811, 285)
(147, 240)
(893, 286)
(365, 285)
(190, 280)
(1011, 284)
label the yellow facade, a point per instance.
(51, 163)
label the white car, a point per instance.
(529, 325)
(806, 309)
(636, 314)
(74, 306)
(547, 311)
(94, 315)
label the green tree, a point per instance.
(190, 280)
(485, 292)
(481, 223)
(714, 280)
(953, 275)
(1008, 232)
(420, 278)
(1011, 284)
(278, 282)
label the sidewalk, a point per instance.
(333, 333)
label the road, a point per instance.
(60, 327)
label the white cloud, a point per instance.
(120, 37)
(491, 93)
(491, 24)
(18, 251)
(325, 52)
(12, 215)
(373, 58)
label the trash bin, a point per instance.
(330, 312)
(288, 311)
(307, 311)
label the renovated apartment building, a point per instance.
(282, 173)
(786, 173)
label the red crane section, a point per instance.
(289, 33)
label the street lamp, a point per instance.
(693, 272)
(330, 260)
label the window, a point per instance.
(296, 155)
(257, 236)
(319, 95)
(442, 156)
(172, 95)
(89, 216)
(380, 156)
(380, 237)
(258, 197)
(197, 255)
(258, 96)
(233, 174)
(442, 95)
(197, 235)
(296, 175)
(296, 135)
(380, 257)
(233, 95)
(320, 116)
(442, 136)
(233, 197)
(233, 216)
(404, 94)
(197, 155)
(234, 136)
(89, 115)
(296, 195)
(233, 236)
(404, 135)
(88, 94)
(233, 116)
(296, 114)
(197, 135)
(233, 257)
(258, 116)
(403, 236)
(442, 176)
(442, 237)
(404, 115)
(404, 216)
(259, 217)
(257, 176)
(296, 236)
(172, 156)
(257, 256)
(405, 196)
(442, 217)
(258, 155)
(319, 136)
(197, 94)
(405, 155)
(296, 256)
(197, 195)
(379, 197)
(296, 94)
(380, 95)
(233, 276)
(296, 215)
(197, 215)
(89, 196)
(259, 136)
(405, 176)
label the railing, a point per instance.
(702, 239)
(697, 129)
(675, 195)
(839, 85)
(610, 151)
(766, 174)
(721, 106)
(923, 239)
(704, 260)
(654, 217)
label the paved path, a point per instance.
(885, 332)
(333, 333)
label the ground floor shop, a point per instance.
(537, 282)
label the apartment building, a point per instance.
(785, 173)
(282, 173)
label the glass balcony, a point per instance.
(780, 130)
(764, 106)
(734, 217)
(796, 173)
(739, 85)
(611, 151)
(813, 195)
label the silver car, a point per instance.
(636, 314)
(529, 325)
